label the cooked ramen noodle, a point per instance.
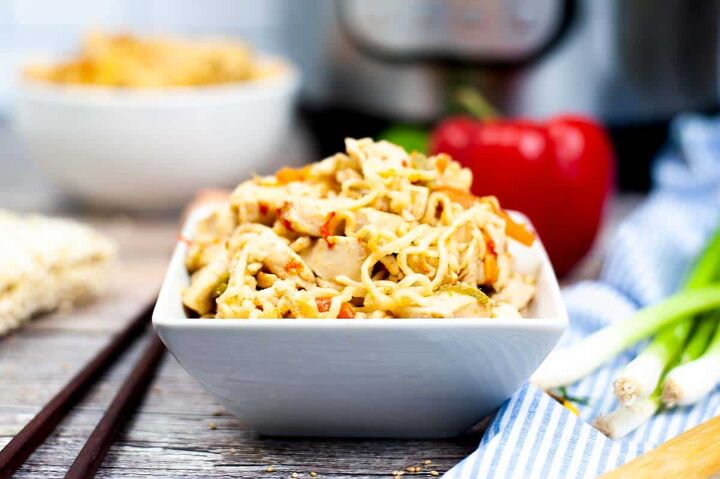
(121, 60)
(374, 232)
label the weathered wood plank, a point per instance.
(172, 437)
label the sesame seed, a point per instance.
(313, 474)
(212, 426)
(434, 473)
(269, 469)
(427, 462)
(294, 475)
(410, 469)
(418, 468)
(233, 450)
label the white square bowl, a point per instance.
(417, 378)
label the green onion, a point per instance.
(705, 269)
(629, 417)
(625, 419)
(467, 290)
(689, 382)
(581, 400)
(565, 366)
(641, 376)
(699, 340)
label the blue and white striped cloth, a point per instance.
(532, 436)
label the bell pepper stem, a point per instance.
(475, 104)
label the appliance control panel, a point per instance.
(484, 30)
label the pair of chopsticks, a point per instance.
(87, 462)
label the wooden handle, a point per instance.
(695, 454)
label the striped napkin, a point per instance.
(534, 436)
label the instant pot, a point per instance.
(631, 64)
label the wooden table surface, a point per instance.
(180, 430)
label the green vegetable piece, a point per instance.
(467, 290)
(410, 137)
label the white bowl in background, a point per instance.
(152, 149)
(361, 377)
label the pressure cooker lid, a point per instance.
(503, 32)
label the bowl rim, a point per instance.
(285, 82)
(161, 319)
(533, 324)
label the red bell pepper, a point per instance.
(558, 172)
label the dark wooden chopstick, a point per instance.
(14, 454)
(121, 409)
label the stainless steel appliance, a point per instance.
(632, 64)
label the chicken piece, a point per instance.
(259, 203)
(280, 259)
(505, 311)
(518, 291)
(379, 157)
(332, 165)
(343, 256)
(410, 203)
(204, 285)
(378, 219)
(454, 176)
(307, 216)
(446, 305)
(209, 237)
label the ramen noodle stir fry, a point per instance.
(127, 61)
(371, 233)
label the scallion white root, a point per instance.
(638, 378)
(567, 365)
(625, 419)
(689, 382)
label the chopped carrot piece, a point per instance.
(442, 162)
(458, 196)
(323, 304)
(293, 265)
(288, 175)
(490, 268)
(513, 229)
(346, 311)
(516, 230)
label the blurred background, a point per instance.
(369, 64)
